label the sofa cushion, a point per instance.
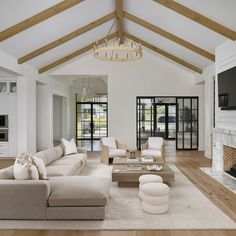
(7, 173)
(51, 155)
(155, 142)
(110, 142)
(59, 150)
(79, 156)
(41, 155)
(117, 153)
(151, 153)
(72, 191)
(62, 170)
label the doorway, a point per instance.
(173, 118)
(165, 120)
(91, 122)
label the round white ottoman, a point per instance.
(148, 178)
(155, 198)
(144, 179)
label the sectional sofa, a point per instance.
(65, 195)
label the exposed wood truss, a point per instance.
(74, 54)
(164, 53)
(119, 16)
(170, 36)
(199, 18)
(23, 25)
(66, 38)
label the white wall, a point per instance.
(225, 59)
(208, 78)
(151, 75)
(26, 104)
(57, 118)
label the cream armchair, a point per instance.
(154, 147)
(112, 148)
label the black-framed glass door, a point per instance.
(173, 118)
(187, 123)
(91, 124)
(165, 121)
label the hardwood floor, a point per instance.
(188, 162)
(118, 233)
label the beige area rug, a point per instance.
(189, 209)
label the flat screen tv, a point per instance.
(227, 89)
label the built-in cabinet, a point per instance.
(8, 108)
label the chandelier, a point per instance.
(117, 50)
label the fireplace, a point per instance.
(230, 160)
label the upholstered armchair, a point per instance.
(112, 148)
(154, 147)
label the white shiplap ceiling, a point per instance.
(14, 11)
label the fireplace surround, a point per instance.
(224, 149)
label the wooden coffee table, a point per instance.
(127, 173)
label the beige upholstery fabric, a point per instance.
(51, 155)
(155, 209)
(155, 189)
(76, 213)
(155, 142)
(23, 199)
(144, 179)
(151, 153)
(66, 162)
(79, 191)
(117, 153)
(41, 155)
(7, 173)
(59, 150)
(79, 156)
(110, 142)
(63, 170)
(156, 201)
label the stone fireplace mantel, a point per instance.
(221, 137)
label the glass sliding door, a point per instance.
(91, 124)
(187, 123)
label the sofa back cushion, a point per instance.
(51, 155)
(7, 173)
(110, 142)
(155, 142)
(59, 150)
(41, 155)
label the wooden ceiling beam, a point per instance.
(199, 18)
(170, 36)
(66, 38)
(36, 19)
(119, 16)
(75, 54)
(164, 53)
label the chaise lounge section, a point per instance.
(65, 195)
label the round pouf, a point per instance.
(155, 198)
(144, 179)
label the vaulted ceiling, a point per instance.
(173, 29)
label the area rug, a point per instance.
(189, 209)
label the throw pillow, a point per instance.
(24, 169)
(7, 173)
(41, 167)
(69, 147)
